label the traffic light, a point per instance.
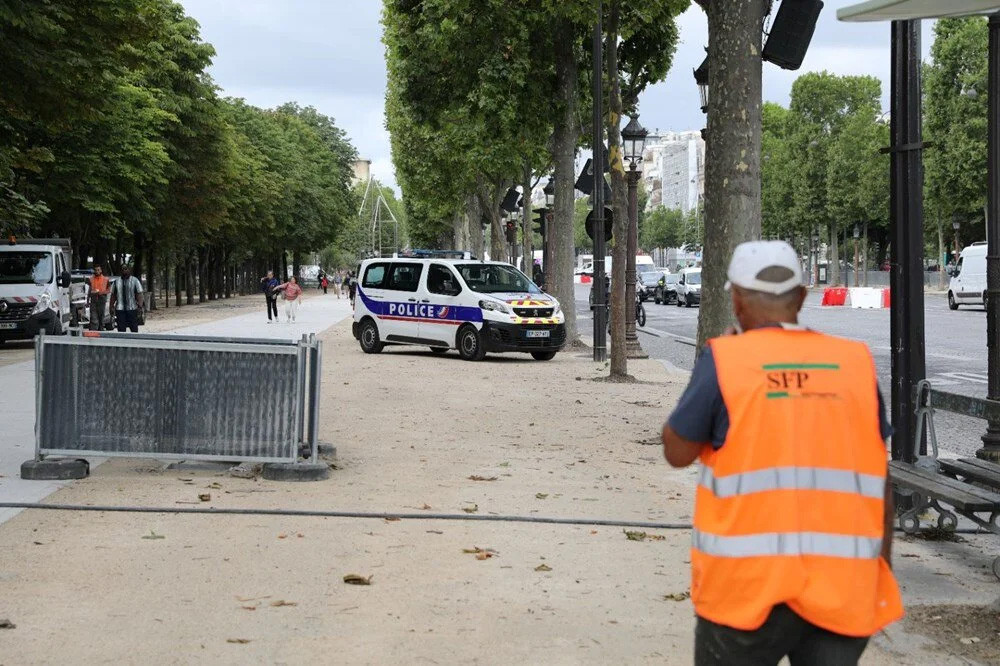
(540, 216)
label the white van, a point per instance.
(35, 288)
(465, 304)
(968, 280)
(688, 287)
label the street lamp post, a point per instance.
(815, 258)
(634, 140)
(701, 78)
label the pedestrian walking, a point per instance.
(127, 300)
(324, 283)
(269, 285)
(98, 298)
(352, 286)
(290, 291)
(338, 281)
(791, 547)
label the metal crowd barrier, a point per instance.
(176, 397)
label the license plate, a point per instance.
(536, 334)
(7, 325)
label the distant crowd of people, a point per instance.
(344, 284)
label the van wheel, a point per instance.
(369, 338)
(952, 304)
(543, 356)
(678, 301)
(470, 344)
(439, 350)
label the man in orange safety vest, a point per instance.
(792, 534)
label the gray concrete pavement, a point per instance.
(17, 401)
(955, 344)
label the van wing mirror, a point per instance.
(65, 279)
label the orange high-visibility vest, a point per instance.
(790, 508)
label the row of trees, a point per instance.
(113, 134)
(825, 170)
(485, 94)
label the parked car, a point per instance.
(666, 289)
(968, 278)
(689, 287)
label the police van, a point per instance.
(444, 303)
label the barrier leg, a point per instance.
(55, 469)
(298, 471)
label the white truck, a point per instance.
(36, 290)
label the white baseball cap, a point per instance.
(768, 266)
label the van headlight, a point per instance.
(557, 309)
(494, 306)
(44, 303)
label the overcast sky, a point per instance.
(329, 54)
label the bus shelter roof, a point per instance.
(901, 10)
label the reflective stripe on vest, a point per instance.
(787, 543)
(792, 478)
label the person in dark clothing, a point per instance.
(352, 285)
(127, 301)
(268, 284)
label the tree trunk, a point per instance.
(177, 285)
(566, 130)
(942, 283)
(619, 201)
(189, 278)
(474, 222)
(202, 287)
(834, 266)
(458, 236)
(284, 266)
(527, 250)
(297, 264)
(151, 268)
(864, 255)
(732, 161)
(490, 197)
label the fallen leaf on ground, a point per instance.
(205, 497)
(471, 509)
(185, 480)
(153, 535)
(543, 567)
(677, 596)
(642, 536)
(480, 553)
(541, 495)
(435, 532)
(426, 507)
(476, 477)
(593, 531)
(282, 536)
(505, 464)
(355, 579)
(7, 624)
(215, 484)
(300, 535)
(238, 640)
(281, 602)
(248, 607)
(970, 640)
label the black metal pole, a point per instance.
(991, 440)
(546, 231)
(632, 347)
(600, 303)
(906, 231)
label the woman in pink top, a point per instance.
(291, 292)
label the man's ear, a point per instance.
(803, 293)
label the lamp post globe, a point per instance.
(550, 192)
(701, 78)
(634, 137)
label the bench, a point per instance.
(969, 486)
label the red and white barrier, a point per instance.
(863, 298)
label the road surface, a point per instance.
(955, 343)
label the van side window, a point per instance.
(440, 280)
(374, 276)
(405, 277)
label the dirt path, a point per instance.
(412, 430)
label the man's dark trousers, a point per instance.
(783, 633)
(98, 305)
(128, 319)
(272, 306)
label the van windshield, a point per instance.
(25, 267)
(693, 278)
(496, 278)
